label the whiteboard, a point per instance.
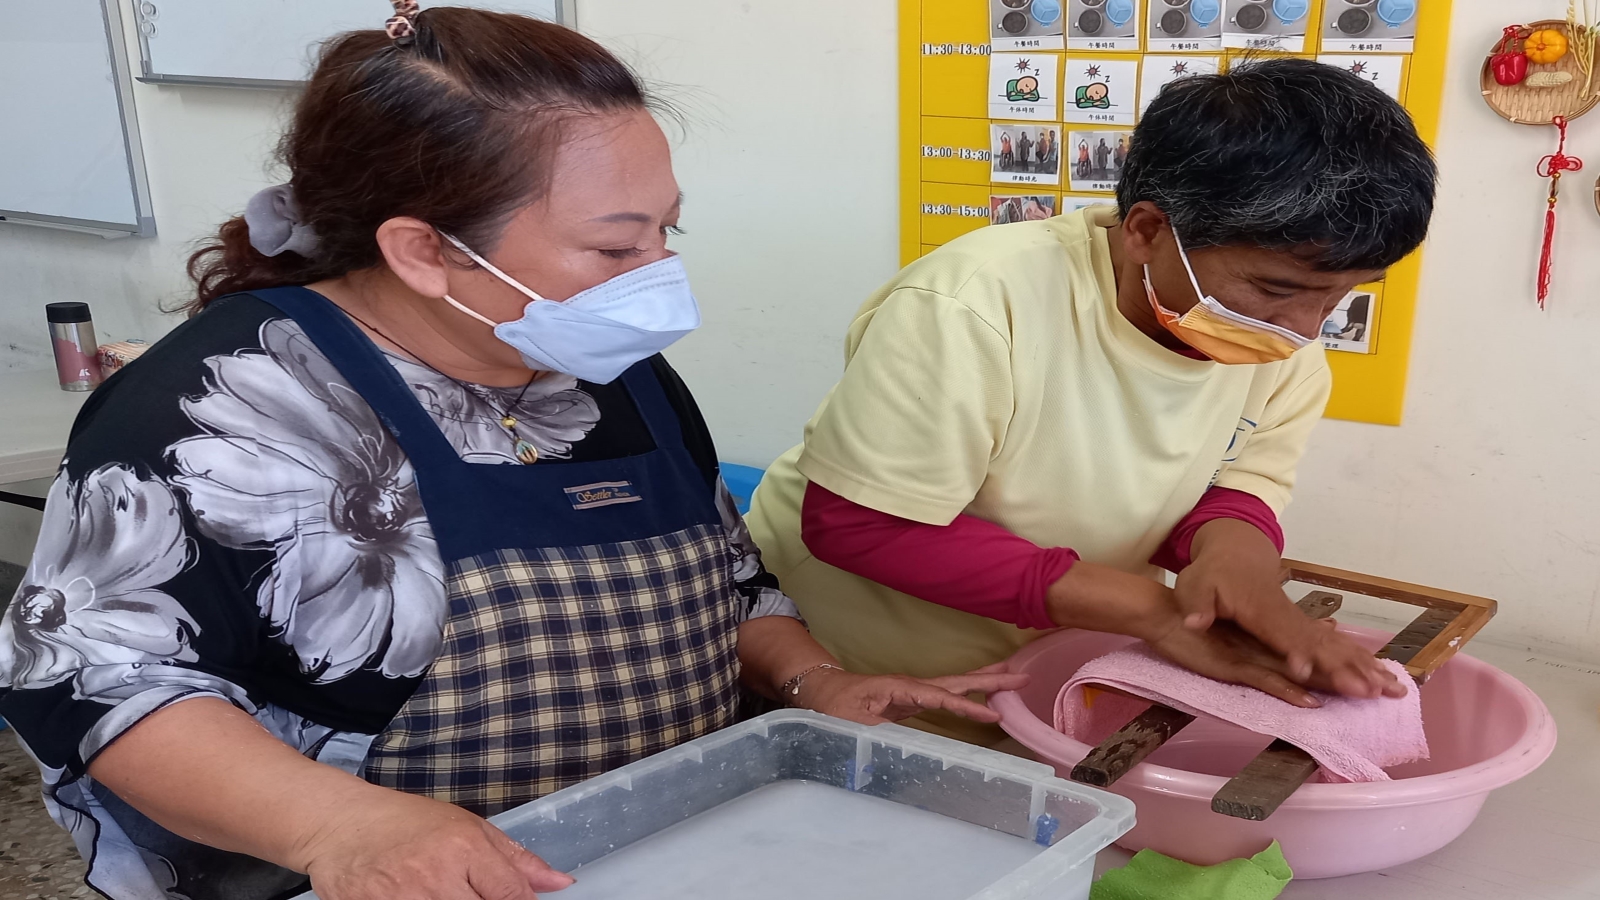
(69, 139)
(268, 43)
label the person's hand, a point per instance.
(1100, 598)
(395, 846)
(1226, 653)
(875, 699)
(1236, 574)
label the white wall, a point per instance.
(206, 151)
(790, 173)
(788, 160)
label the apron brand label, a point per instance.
(604, 493)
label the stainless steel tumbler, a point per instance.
(72, 338)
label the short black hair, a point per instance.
(1286, 154)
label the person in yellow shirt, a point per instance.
(1036, 418)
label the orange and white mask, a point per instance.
(1219, 332)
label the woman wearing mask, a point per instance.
(409, 523)
(1033, 420)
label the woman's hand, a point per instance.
(1100, 598)
(875, 699)
(207, 770)
(394, 846)
(1237, 575)
(1226, 653)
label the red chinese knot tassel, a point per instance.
(1551, 167)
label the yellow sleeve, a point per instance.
(921, 411)
(1266, 464)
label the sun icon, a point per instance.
(1358, 67)
(1024, 65)
(1180, 68)
(1092, 72)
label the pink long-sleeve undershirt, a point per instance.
(976, 566)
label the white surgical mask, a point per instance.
(599, 333)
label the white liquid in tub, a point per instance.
(798, 841)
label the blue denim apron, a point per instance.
(593, 612)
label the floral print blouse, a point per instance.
(232, 520)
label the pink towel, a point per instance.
(1352, 739)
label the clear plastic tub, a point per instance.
(803, 805)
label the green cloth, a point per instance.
(1151, 876)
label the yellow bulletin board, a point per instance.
(976, 100)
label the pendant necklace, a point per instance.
(525, 451)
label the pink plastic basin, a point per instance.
(1485, 730)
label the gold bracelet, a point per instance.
(791, 688)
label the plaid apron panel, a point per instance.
(562, 663)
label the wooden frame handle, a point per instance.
(1471, 613)
(1448, 621)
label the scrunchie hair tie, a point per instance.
(400, 28)
(273, 218)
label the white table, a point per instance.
(35, 417)
(1538, 839)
